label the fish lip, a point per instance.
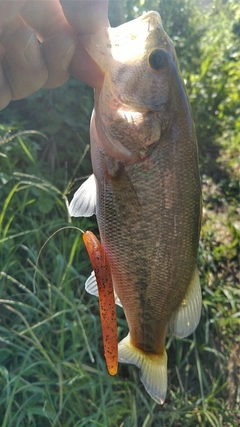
(153, 17)
(113, 147)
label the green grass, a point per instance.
(52, 370)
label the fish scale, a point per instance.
(146, 192)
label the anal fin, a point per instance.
(186, 318)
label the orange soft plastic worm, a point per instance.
(107, 305)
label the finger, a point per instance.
(8, 13)
(85, 69)
(46, 17)
(22, 63)
(86, 17)
(9, 10)
(57, 51)
(34, 13)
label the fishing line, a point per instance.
(43, 246)
(34, 283)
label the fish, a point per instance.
(145, 191)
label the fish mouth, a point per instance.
(117, 120)
(112, 146)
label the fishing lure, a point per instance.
(107, 306)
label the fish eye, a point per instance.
(158, 59)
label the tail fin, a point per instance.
(153, 368)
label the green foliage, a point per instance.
(214, 91)
(52, 370)
(63, 115)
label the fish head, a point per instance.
(133, 105)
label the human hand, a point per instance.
(26, 65)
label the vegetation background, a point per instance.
(52, 370)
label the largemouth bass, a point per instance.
(145, 191)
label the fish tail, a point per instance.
(153, 368)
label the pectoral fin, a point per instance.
(153, 368)
(84, 200)
(107, 306)
(92, 288)
(185, 320)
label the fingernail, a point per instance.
(66, 59)
(32, 52)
